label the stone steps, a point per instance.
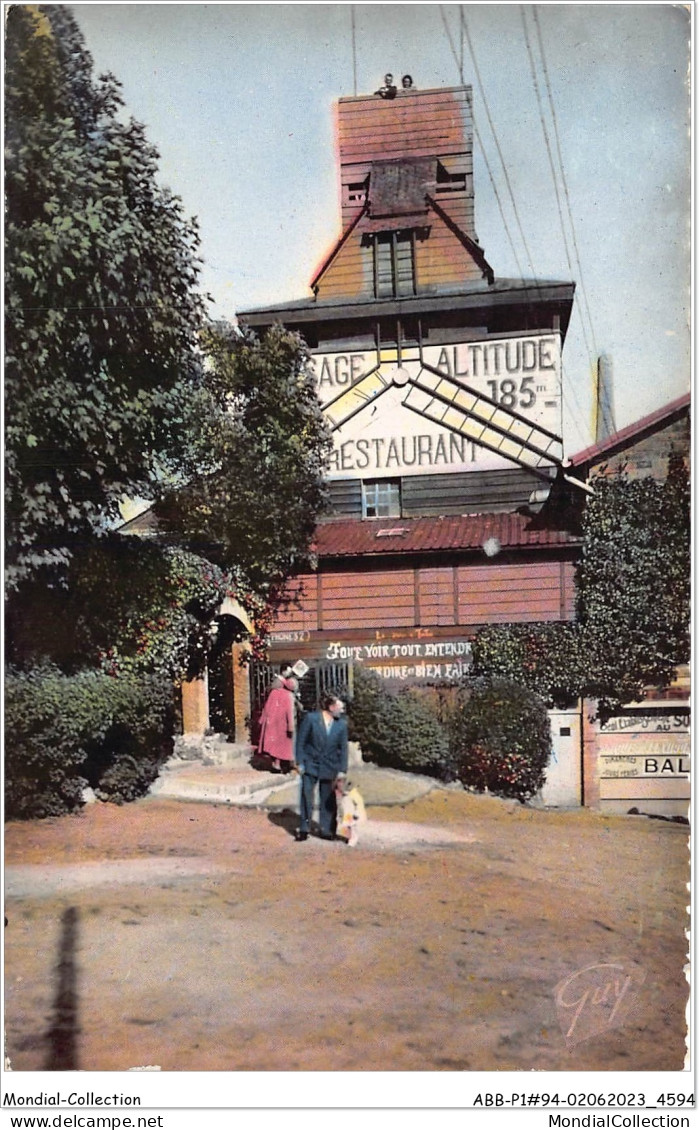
(233, 782)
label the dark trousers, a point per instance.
(327, 802)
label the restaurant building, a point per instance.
(442, 384)
(452, 504)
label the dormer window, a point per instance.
(394, 264)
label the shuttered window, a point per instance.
(394, 269)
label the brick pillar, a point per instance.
(195, 705)
(590, 782)
(242, 705)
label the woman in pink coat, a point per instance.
(277, 724)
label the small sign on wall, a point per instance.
(646, 724)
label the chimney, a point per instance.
(605, 423)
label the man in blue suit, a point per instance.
(321, 758)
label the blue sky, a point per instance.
(238, 99)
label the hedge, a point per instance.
(397, 731)
(65, 732)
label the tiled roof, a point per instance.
(632, 431)
(356, 537)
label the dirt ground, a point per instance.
(202, 937)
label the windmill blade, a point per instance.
(462, 410)
(353, 399)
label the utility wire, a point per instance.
(459, 62)
(554, 119)
(354, 49)
(546, 134)
(554, 173)
(464, 27)
(590, 349)
(461, 49)
(563, 175)
(480, 143)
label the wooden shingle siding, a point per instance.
(568, 594)
(302, 591)
(352, 174)
(381, 599)
(467, 595)
(345, 498)
(649, 456)
(436, 596)
(459, 207)
(435, 123)
(496, 594)
(468, 492)
(351, 272)
(442, 260)
(422, 124)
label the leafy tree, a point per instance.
(634, 583)
(65, 731)
(259, 489)
(130, 607)
(549, 658)
(107, 391)
(102, 314)
(107, 394)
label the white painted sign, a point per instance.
(618, 766)
(643, 755)
(501, 396)
(408, 660)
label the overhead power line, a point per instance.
(460, 67)
(477, 72)
(354, 50)
(542, 119)
(564, 180)
(565, 184)
(567, 194)
(574, 416)
(558, 170)
(552, 165)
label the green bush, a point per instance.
(123, 763)
(397, 731)
(63, 732)
(500, 737)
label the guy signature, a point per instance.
(596, 998)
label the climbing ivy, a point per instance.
(633, 583)
(633, 601)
